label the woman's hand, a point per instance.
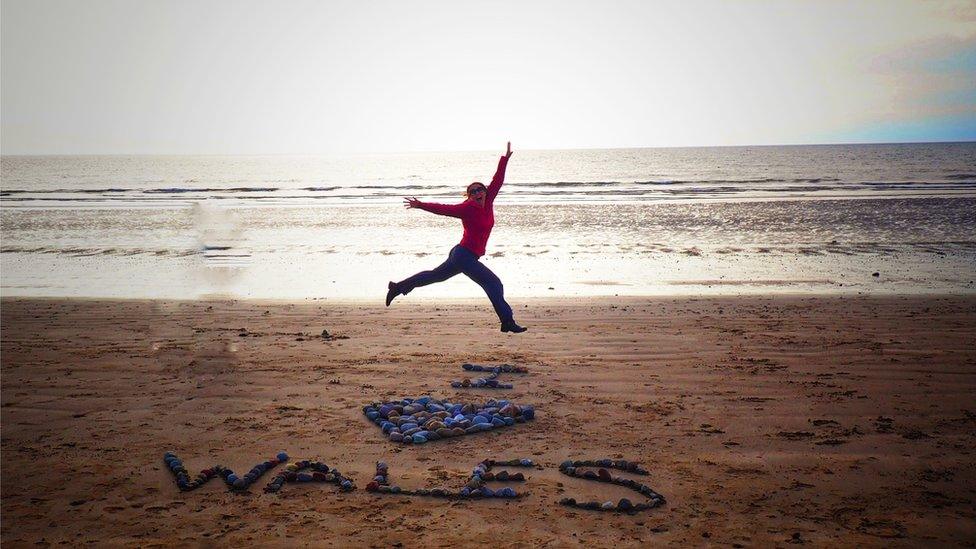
(508, 151)
(410, 202)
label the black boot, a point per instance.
(392, 291)
(511, 326)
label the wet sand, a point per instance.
(763, 420)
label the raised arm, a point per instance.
(499, 178)
(450, 210)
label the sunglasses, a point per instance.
(476, 190)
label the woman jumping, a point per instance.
(478, 218)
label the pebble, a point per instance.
(507, 493)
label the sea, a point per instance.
(812, 219)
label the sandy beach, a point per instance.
(763, 421)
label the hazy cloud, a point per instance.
(114, 76)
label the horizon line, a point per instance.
(440, 151)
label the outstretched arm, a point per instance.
(496, 182)
(450, 210)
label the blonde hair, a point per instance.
(467, 190)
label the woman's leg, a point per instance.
(489, 282)
(438, 274)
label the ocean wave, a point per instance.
(67, 191)
(407, 187)
(588, 183)
(570, 190)
(79, 251)
(822, 248)
(177, 190)
(918, 184)
(655, 182)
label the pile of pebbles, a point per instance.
(321, 473)
(491, 380)
(475, 488)
(418, 421)
(233, 481)
(572, 468)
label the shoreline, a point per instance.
(293, 253)
(482, 301)
(763, 420)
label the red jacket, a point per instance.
(477, 220)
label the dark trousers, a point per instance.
(463, 260)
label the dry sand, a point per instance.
(764, 421)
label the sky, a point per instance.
(320, 77)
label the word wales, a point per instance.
(475, 488)
(422, 420)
